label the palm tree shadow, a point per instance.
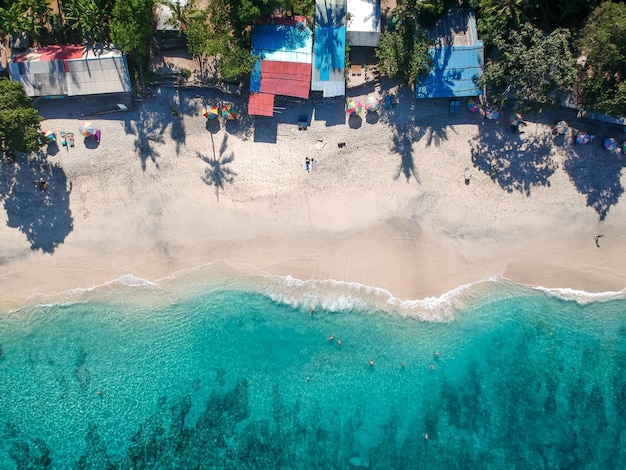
(596, 176)
(403, 144)
(218, 171)
(514, 163)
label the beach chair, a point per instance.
(63, 139)
(70, 138)
(394, 101)
(303, 122)
(387, 102)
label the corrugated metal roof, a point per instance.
(283, 43)
(255, 77)
(364, 16)
(49, 53)
(71, 71)
(330, 53)
(286, 78)
(285, 46)
(261, 104)
(456, 71)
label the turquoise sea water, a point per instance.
(146, 377)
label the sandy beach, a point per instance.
(162, 193)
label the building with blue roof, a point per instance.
(330, 48)
(458, 59)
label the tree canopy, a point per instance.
(604, 44)
(531, 67)
(403, 51)
(19, 121)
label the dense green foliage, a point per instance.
(23, 16)
(604, 44)
(499, 17)
(403, 51)
(131, 29)
(532, 67)
(91, 17)
(19, 121)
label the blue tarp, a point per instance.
(456, 71)
(330, 50)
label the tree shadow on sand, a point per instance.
(403, 140)
(515, 163)
(411, 122)
(218, 171)
(41, 213)
(596, 174)
(152, 121)
(148, 129)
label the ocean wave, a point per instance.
(580, 296)
(310, 295)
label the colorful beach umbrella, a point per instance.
(515, 119)
(210, 112)
(372, 104)
(561, 127)
(583, 138)
(472, 105)
(492, 114)
(229, 112)
(49, 135)
(354, 108)
(610, 144)
(87, 129)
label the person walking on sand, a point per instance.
(598, 240)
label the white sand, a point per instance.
(357, 218)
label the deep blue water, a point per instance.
(233, 379)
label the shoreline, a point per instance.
(389, 210)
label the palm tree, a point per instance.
(12, 20)
(90, 16)
(182, 14)
(36, 13)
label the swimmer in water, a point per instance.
(403, 364)
(339, 343)
(432, 367)
(331, 337)
(437, 353)
(371, 363)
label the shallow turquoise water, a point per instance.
(219, 380)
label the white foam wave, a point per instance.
(314, 294)
(582, 297)
(337, 296)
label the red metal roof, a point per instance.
(48, 53)
(261, 104)
(286, 78)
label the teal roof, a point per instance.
(455, 73)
